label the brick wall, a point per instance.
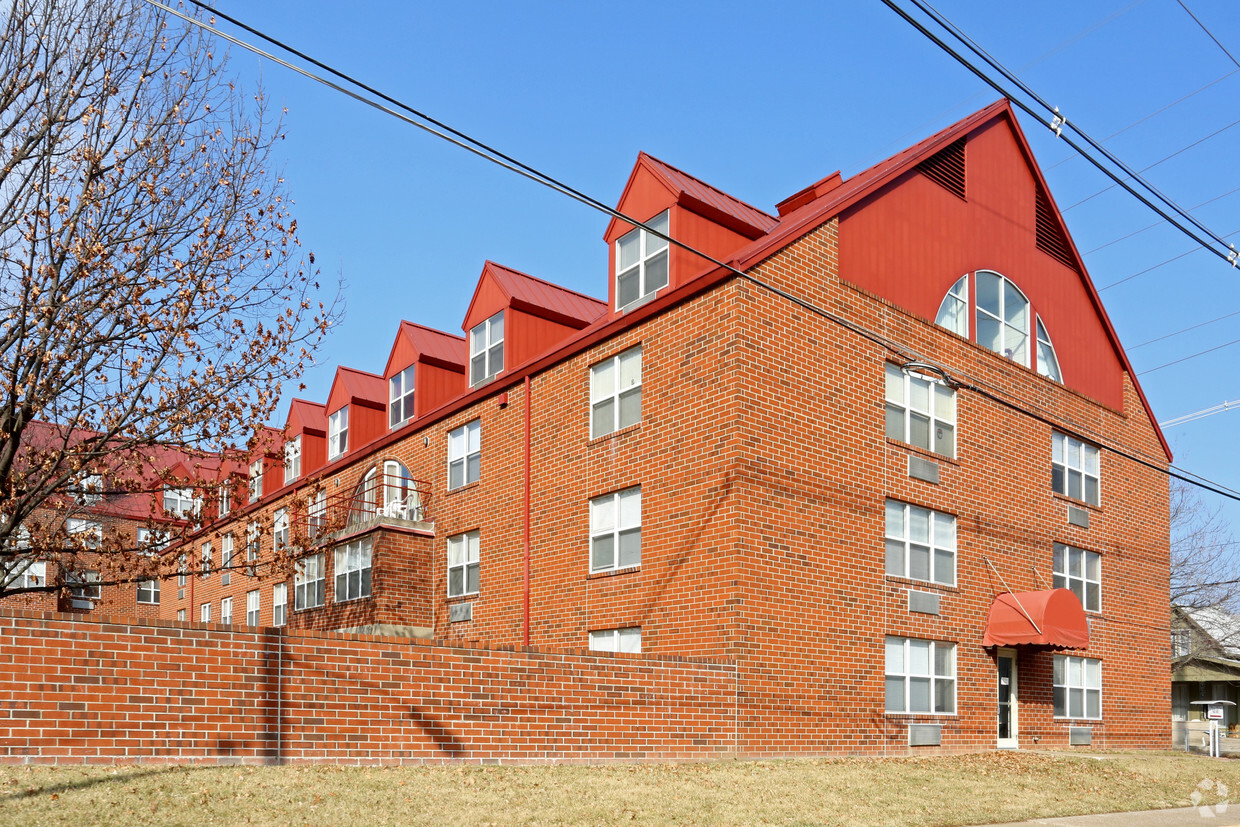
(80, 690)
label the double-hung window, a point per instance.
(30, 574)
(148, 591)
(921, 411)
(226, 611)
(204, 612)
(179, 502)
(1078, 687)
(317, 513)
(85, 532)
(616, 392)
(616, 530)
(182, 575)
(463, 564)
(353, 570)
(1080, 571)
(251, 607)
(920, 676)
(628, 639)
(256, 480)
(84, 584)
(279, 604)
(308, 582)
(252, 535)
(292, 459)
(223, 497)
(921, 544)
(400, 398)
(206, 560)
(486, 349)
(338, 433)
(641, 262)
(226, 559)
(279, 530)
(465, 454)
(1074, 468)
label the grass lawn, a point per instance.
(969, 789)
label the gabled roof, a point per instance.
(304, 416)
(358, 386)
(1222, 627)
(542, 298)
(836, 199)
(432, 347)
(700, 197)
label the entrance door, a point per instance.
(1006, 661)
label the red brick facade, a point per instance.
(764, 472)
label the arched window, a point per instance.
(1004, 321)
(387, 490)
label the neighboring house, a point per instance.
(1205, 665)
(899, 471)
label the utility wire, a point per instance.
(1190, 356)
(1209, 33)
(1156, 266)
(459, 139)
(1202, 414)
(1184, 330)
(1059, 123)
(1157, 223)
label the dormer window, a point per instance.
(1003, 321)
(179, 502)
(256, 480)
(400, 398)
(641, 262)
(486, 349)
(338, 433)
(292, 459)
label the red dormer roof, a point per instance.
(306, 417)
(266, 438)
(700, 197)
(433, 347)
(356, 386)
(538, 297)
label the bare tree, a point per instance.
(152, 288)
(1205, 568)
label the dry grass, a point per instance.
(971, 789)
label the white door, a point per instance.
(1008, 732)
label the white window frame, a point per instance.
(94, 530)
(1072, 458)
(253, 542)
(207, 560)
(1181, 643)
(224, 499)
(309, 583)
(352, 570)
(151, 590)
(465, 454)
(253, 605)
(180, 501)
(614, 384)
(616, 522)
(182, 575)
(1072, 674)
(625, 639)
(226, 559)
(279, 604)
(907, 415)
(33, 575)
(292, 459)
(204, 613)
(1077, 569)
(486, 350)
(338, 434)
(649, 248)
(464, 559)
(954, 310)
(226, 611)
(1048, 361)
(87, 490)
(400, 397)
(279, 530)
(84, 583)
(903, 544)
(899, 668)
(180, 615)
(317, 513)
(256, 480)
(1007, 329)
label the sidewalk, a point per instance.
(1181, 817)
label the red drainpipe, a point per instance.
(526, 636)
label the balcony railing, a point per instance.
(391, 496)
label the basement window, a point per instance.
(642, 262)
(628, 639)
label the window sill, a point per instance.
(1060, 720)
(627, 429)
(636, 303)
(482, 383)
(596, 575)
(1074, 501)
(461, 598)
(928, 454)
(911, 716)
(464, 487)
(338, 601)
(921, 584)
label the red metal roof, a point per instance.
(362, 386)
(703, 193)
(435, 344)
(1052, 618)
(544, 298)
(310, 416)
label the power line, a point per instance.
(1210, 33)
(1190, 356)
(1157, 223)
(1059, 123)
(1202, 414)
(1184, 330)
(462, 140)
(1155, 267)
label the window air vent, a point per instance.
(946, 168)
(925, 735)
(1078, 516)
(1050, 237)
(924, 602)
(923, 469)
(459, 612)
(1080, 736)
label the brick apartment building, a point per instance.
(899, 472)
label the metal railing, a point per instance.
(378, 496)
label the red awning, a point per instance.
(1052, 618)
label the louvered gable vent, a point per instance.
(1050, 237)
(946, 168)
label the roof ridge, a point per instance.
(516, 272)
(430, 329)
(704, 183)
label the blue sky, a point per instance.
(759, 100)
